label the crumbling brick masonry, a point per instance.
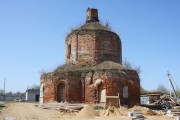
(93, 69)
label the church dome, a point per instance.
(92, 43)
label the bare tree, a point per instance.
(19, 94)
(161, 88)
(178, 93)
(34, 87)
(127, 64)
(142, 90)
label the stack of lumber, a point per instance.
(136, 115)
(173, 112)
(71, 108)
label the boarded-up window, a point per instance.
(125, 92)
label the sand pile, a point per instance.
(111, 111)
(142, 109)
(87, 112)
(145, 111)
(124, 111)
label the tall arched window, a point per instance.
(102, 93)
(69, 51)
(61, 93)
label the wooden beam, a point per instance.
(112, 96)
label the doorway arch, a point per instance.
(61, 92)
(102, 93)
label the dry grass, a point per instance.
(78, 69)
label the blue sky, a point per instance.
(32, 35)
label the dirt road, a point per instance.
(30, 111)
(27, 111)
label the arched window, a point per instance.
(102, 93)
(69, 51)
(125, 92)
(61, 93)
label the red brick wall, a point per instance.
(108, 47)
(114, 83)
(82, 87)
(74, 91)
(93, 46)
(48, 85)
(133, 83)
(72, 87)
(86, 48)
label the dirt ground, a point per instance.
(31, 111)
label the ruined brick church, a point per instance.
(93, 68)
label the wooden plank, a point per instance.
(67, 109)
(175, 110)
(112, 97)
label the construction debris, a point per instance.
(81, 111)
(63, 107)
(144, 110)
(136, 114)
(71, 108)
(168, 102)
(173, 112)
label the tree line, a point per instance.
(12, 93)
(18, 93)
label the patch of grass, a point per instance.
(36, 105)
(99, 108)
(80, 68)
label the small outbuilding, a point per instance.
(32, 95)
(150, 97)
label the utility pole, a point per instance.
(4, 89)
